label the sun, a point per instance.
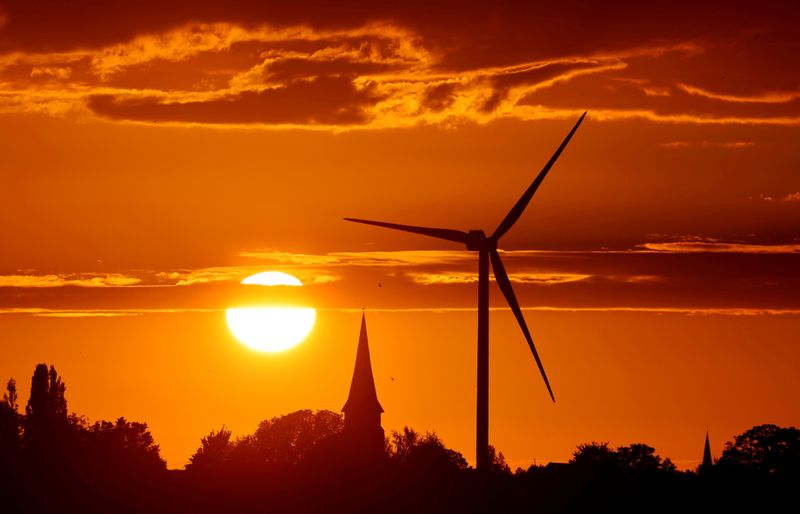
(272, 328)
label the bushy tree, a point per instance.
(214, 452)
(402, 443)
(277, 442)
(638, 458)
(767, 450)
(424, 452)
(594, 454)
(289, 439)
(642, 458)
(125, 446)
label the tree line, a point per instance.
(51, 459)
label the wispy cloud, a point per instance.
(455, 277)
(62, 280)
(370, 258)
(96, 313)
(277, 257)
(55, 72)
(543, 112)
(708, 144)
(237, 274)
(690, 311)
(373, 76)
(686, 272)
(776, 97)
(203, 276)
(719, 247)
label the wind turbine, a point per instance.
(476, 241)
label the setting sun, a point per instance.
(271, 328)
(571, 227)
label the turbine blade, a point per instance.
(519, 207)
(440, 233)
(505, 286)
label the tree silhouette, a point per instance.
(594, 455)
(46, 427)
(47, 406)
(278, 442)
(638, 458)
(289, 439)
(53, 461)
(424, 453)
(214, 452)
(125, 445)
(402, 443)
(642, 458)
(767, 450)
(497, 461)
(10, 426)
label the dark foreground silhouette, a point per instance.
(52, 461)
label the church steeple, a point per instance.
(707, 461)
(363, 399)
(363, 432)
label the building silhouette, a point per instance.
(707, 463)
(363, 433)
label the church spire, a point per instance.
(363, 396)
(362, 411)
(707, 461)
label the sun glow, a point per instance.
(272, 278)
(271, 328)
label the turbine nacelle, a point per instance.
(477, 241)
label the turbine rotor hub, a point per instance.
(477, 241)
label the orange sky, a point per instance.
(152, 154)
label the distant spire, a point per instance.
(707, 461)
(362, 397)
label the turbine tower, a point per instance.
(476, 240)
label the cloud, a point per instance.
(778, 97)
(371, 258)
(62, 280)
(203, 276)
(96, 313)
(320, 101)
(719, 247)
(275, 256)
(688, 311)
(246, 65)
(55, 72)
(686, 273)
(708, 144)
(445, 278)
(235, 274)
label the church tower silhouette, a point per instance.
(362, 411)
(707, 463)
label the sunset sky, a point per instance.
(155, 153)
